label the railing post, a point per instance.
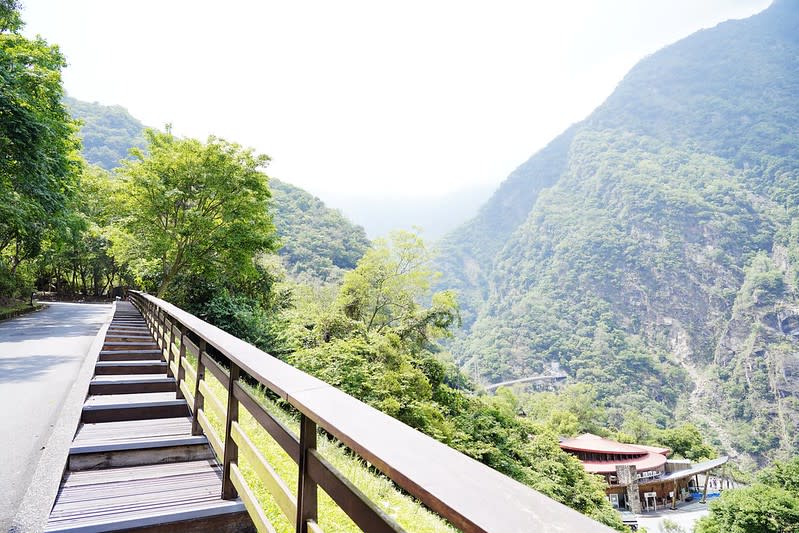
(164, 322)
(151, 319)
(306, 487)
(181, 371)
(199, 401)
(168, 357)
(231, 449)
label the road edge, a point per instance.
(34, 510)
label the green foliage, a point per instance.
(763, 282)
(670, 526)
(755, 509)
(782, 474)
(685, 441)
(573, 410)
(38, 167)
(193, 208)
(377, 341)
(650, 238)
(316, 242)
(77, 253)
(107, 132)
(383, 291)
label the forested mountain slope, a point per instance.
(317, 241)
(107, 132)
(652, 249)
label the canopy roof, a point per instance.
(698, 468)
(591, 443)
(650, 461)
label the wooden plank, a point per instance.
(187, 394)
(217, 371)
(129, 355)
(189, 369)
(129, 367)
(472, 496)
(127, 497)
(257, 514)
(155, 452)
(143, 345)
(211, 400)
(191, 347)
(282, 435)
(116, 413)
(137, 430)
(365, 514)
(281, 493)
(213, 438)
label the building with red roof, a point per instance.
(601, 456)
(636, 473)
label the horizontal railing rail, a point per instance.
(465, 492)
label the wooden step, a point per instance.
(170, 497)
(143, 345)
(125, 337)
(120, 407)
(131, 383)
(130, 355)
(136, 442)
(129, 325)
(128, 329)
(129, 367)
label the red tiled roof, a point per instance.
(654, 449)
(650, 461)
(647, 457)
(594, 443)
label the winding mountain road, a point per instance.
(40, 356)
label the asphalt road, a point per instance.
(40, 356)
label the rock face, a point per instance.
(652, 249)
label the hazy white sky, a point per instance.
(367, 97)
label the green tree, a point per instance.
(755, 509)
(194, 208)
(783, 474)
(388, 284)
(39, 161)
(77, 254)
(685, 441)
(377, 341)
(769, 506)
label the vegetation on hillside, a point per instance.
(193, 222)
(651, 250)
(107, 133)
(771, 505)
(39, 164)
(317, 243)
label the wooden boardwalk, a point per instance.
(134, 463)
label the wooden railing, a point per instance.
(468, 494)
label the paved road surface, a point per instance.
(40, 355)
(685, 516)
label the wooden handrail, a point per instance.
(467, 493)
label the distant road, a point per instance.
(540, 377)
(40, 355)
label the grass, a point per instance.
(9, 308)
(408, 512)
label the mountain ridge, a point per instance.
(653, 241)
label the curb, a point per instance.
(35, 508)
